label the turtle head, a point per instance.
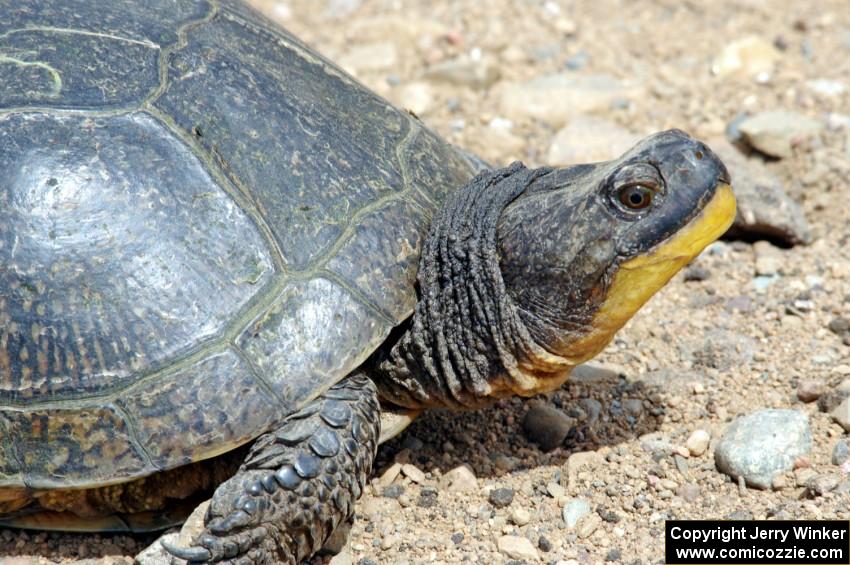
(527, 273)
(585, 247)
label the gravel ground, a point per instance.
(746, 328)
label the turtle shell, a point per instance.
(203, 225)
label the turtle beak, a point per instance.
(724, 177)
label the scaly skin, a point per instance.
(297, 484)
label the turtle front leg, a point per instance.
(297, 484)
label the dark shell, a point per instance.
(203, 225)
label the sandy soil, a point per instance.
(700, 354)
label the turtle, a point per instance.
(226, 266)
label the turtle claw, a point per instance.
(188, 553)
(294, 488)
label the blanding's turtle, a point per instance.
(222, 258)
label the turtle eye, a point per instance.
(635, 196)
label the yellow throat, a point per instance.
(638, 279)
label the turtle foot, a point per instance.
(298, 483)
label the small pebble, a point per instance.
(681, 464)
(459, 479)
(555, 490)
(574, 510)
(688, 491)
(464, 71)
(822, 484)
(697, 273)
(577, 61)
(768, 259)
(517, 547)
(558, 98)
(413, 473)
(544, 544)
(427, 498)
(608, 515)
(505, 462)
(388, 476)
(779, 482)
(839, 325)
(520, 517)
(803, 476)
(809, 390)
(546, 426)
(412, 443)
(748, 56)
(501, 497)
(418, 97)
(589, 139)
(392, 491)
(697, 442)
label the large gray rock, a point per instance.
(778, 132)
(764, 209)
(762, 445)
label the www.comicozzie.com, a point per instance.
(696, 542)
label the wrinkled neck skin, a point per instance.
(486, 326)
(556, 276)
